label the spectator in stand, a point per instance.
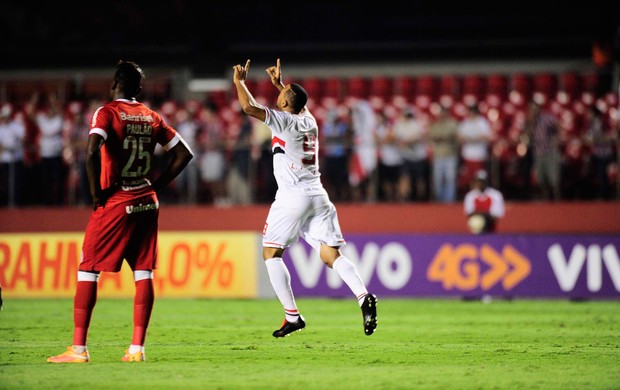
(363, 161)
(337, 140)
(412, 140)
(483, 205)
(12, 134)
(475, 136)
(265, 185)
(188, 180)
(443, 133)
(77, 126)
(602, 141)
(391, 161)
(240, 168)
(213, 167)
(50, 122)
(542, 131)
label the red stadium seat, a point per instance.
(96, 88)
(521, 83)
(381, 86)
(265, 89)
(450, 85)
(474, 84)
(314, 86)
(545, 84)
(570, 83)
(404, 86)
(589, 82)
(497, 85)
(358, 87)
(334, 88)
(427, 85)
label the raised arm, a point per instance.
(246, 100)
(275, 74)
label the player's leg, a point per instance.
(83, 305)
(281, 229)
(142, 308)
(280, 279)
(141, 255)
(102, 251)
(348, 272)
(324, 234)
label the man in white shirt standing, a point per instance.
(302, 207)
(475, 136)
(12, 134)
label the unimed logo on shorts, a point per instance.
(141, 207)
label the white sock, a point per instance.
(135, 348)
(79, 348)
(280, 280)
(347, 271)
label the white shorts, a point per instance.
(313, 218)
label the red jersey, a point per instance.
(131, 131)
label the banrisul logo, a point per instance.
(141, 207)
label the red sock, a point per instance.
(142, 307)
(83, 305)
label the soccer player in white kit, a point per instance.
(302, 207)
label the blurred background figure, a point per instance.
(213, 166)
(543, 132)
(336, 149)
(391, 161)
(443, 133)
(483, 205)
(47, 114)
(475, 137)
(412, 140)
(187, 183)
(12, 134)
(77, 126)
(601, 139)
(240, 170)
(363, 161)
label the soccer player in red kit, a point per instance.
(124, 222)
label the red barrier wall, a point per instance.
(537, 217)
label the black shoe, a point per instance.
(290, 327)
(369, 312)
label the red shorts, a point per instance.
(125, 228)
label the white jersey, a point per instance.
(302, 207)
(295, 147)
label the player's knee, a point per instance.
(270, 253)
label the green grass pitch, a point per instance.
(227, 344)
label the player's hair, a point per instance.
(129, 77)
(299, 97)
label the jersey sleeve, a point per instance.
(100, 122)
(276, 120)
(168, 136)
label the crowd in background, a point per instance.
(395, 148)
